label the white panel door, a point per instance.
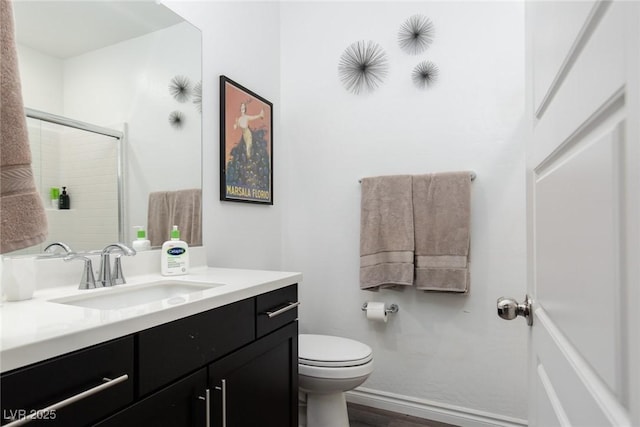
(582, 193)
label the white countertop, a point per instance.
(38, 329)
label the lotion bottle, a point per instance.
(174, 256)
(141, 243)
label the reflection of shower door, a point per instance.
(87, 163)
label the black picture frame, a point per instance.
(246, 145)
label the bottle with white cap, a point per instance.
(141, 243)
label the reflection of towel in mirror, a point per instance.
(169, 208)
(22, 215)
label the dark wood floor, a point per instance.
(364, 416)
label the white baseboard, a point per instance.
(430, 410)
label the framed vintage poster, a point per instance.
(246, 145)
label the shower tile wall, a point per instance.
(86, 164)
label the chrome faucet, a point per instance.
(105, 276)
(87, 281)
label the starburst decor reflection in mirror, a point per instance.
(416, 34)
(363, 66)
(425, 74)
(197, 96)
(176, 119)
(180, 88)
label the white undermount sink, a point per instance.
(123, 296)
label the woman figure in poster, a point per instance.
(249, 162)
(243, 123)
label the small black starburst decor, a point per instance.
(180, 88)
(425, 74)
(176, 119)
(197, 96)
(416, 34)
(363, 66)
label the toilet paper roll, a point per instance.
(376, 312)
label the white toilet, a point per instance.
(327, 367)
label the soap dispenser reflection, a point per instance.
(141, 243)
(64, 201)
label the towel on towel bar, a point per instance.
(442, 212)
(22, 215)
(386, 232)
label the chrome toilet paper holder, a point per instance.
(393, 308)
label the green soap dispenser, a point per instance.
(64, 202)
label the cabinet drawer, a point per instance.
(27, 390)
(183, 403)
(174, 349)
(275, 309)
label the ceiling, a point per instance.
(65, 29)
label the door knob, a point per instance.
(509, 309)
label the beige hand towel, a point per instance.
(168, 208)
(23, 221)
(386, 232)
(442, 212)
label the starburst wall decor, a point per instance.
(416, 34)
(425, 74)
(363, 66)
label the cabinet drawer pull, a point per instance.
(223, 389)
(207, 411)
(284, 309)
(52, 408)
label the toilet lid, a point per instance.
(325, 350)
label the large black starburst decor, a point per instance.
(363, 66)
(416, 34)
(425, 74)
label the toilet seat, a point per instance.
(324, 351)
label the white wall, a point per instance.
(239, 40)
(42, 80)
(440, 349)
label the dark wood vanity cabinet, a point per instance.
(96, 381)
(182, 403)
(232, 366)
(258, 384)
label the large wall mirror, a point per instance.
(131, 68)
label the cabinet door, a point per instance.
(86, 385)
(182, 404)
(258, 385)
